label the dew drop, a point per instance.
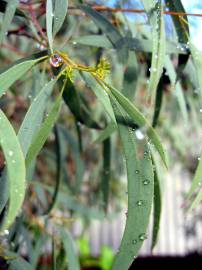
(140, 203)
(56, 60)
(10, 153)
(134, 241)
(146, 182)
(6, 232)
(142, 237)
(137, 171)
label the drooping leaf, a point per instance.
(34, 117)
(106, 133)
(157, 209)
(182, 30)
(100, 94)
(17, 70)
(134, 44)
(70, 249)
(177, 89)
(16, 262)
(140, 191)
(49, 23)
(109, 30)
(8, 16)
(15, 166)
(79, 109)
(158, 102)
(196, 180)
(60, 12)
(106, 173)
(59, 163)
(139, 120)
(40, 138)
(158, 47)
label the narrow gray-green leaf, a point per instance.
(158, 47)
(49, 22)
(140, 191)
(40, 138)
(105, 133)
(70, 249)
(100, 94)
(34, 116)
(157, 210)
(60, 12)
(196, 201)
(197, 179)
(110, 31)
(8, 16)
(16, 262)
(15, 169)
(178, 91)
(9, 76)
(139, 120)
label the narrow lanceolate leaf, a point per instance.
(40, 138)
(34, 117)
(140, 191)
(49, 22)
(106, 171)
(15, 169)
(8, 16)
(177, 89)
(157, 210)
(78, 106)
(138, 118)
(60, 12)
(16, 262)
(182, 29)
(134, 44)
(110, 31)
(197, 59)
(158, 103)
(12, 74)
(106, 133)
(196, 201)
(158, 47)
(100, 94)
(196, 180)
(70, 249)
(59, 163)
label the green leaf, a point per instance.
(158, 47)
(105, 133)
(196, 201)
(157, 209)
(106, 173)
(134, 44)
(139, 120)
(100, 94)
(34, 117)
(49, 23)
(15, 72)
(182, 29)
(140, 191)
(158, 102)
(40, 138)
(8, 16)
(70, 249)
(60, 12)
(110, 31)
(15, 169)
(79, 109)
(178, 91)
(16, 262)
(59, 163)
(17, 12)
(197, 179)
